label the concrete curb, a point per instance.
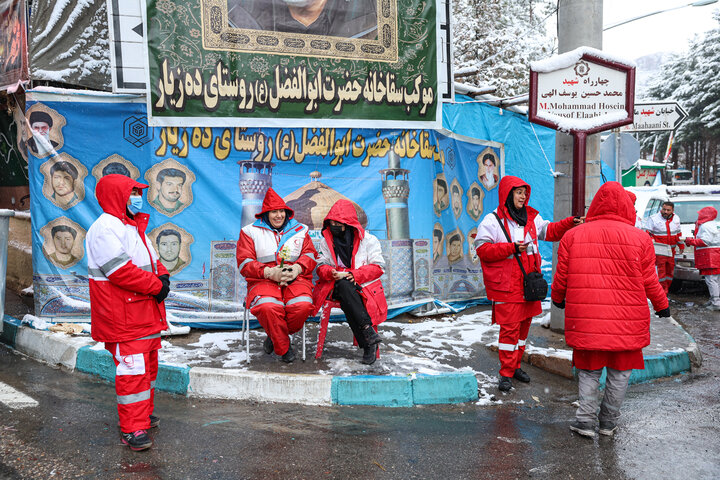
(75, 353)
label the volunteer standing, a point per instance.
(707, 252)
(664, 228)
(502, 274)
(128, 286)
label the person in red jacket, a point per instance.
(513, 229)
(707, 253)
(128, 286)
(605, 272)
(276, 256)
(349, 270)
(664, 228)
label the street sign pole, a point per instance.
(578, 186)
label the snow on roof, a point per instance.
(569, 59)
(649, 164)
(582, 124)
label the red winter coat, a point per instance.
(260, 246)
(502, 276)
(123, 268)
(605, 273)
(707, 251)
(367, 263)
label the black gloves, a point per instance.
(560, 305)
(664, 313)
(165, 290)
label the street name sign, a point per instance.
(656, 116)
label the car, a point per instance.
(688, 201)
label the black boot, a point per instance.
(289, 356)
(268, 345)
(369, 354)
(521, 375)
(371, 336)
(504, 385)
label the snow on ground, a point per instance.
(36, 322)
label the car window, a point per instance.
(687, 211)
(652, 207)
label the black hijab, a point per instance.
(519, 215)
(343, 244)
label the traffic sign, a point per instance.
(657, 116)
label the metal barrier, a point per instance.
(4, 233)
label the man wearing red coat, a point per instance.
(128, 286)
(707, 253)
(349, 271)
(276, 256)
(664, 228)
(605, 273)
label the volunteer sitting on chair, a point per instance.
(277, 258)
(349, 271)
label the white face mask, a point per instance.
(297, 3)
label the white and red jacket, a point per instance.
(261, 246)
(123, 268)
(367, 263)
(501, 273)
(706, 242)
(666, 232)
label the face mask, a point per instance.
(336, 230)
(136, 204)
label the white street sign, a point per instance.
(126, 46)
(658, 116)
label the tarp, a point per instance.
(13, 45)
(360, 63)
(206, 183)
(69, 43)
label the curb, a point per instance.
(82, 354)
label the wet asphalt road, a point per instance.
(669, 429)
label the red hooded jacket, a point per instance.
(123, 268)
(501, 273)
(605, 273)
(707, 257)
(367, 263)
(261, 246)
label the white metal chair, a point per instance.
(246, 333)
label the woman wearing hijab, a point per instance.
(502, 274)
(349, 271)
(276, 256)
(707, 252)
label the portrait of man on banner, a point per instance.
(456, 194)
(474, 206)
(455, 247)
(333, 18)
(438, 241)
(115, 164)
(45, 135)
(64, 183)
(63, 242)
(173, 246)
(488, 169)
(170, 187)
(441, 195)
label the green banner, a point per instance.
(293, 63)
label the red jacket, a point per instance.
(502, 276)
(367, 263)
(123, 268)
(261, 246)
(707, 251)
(605, 273)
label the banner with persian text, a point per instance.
(13, 45)
(310, 63)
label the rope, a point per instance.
(552, 171)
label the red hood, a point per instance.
(506, 185)
(613, 201)
(633, 197)
(273, 201)
(344, 212)
(706, 214)
(113, 191)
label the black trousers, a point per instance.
(351, 303)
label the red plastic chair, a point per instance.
(322, 333)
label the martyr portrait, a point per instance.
(474, 206)
(488, 168)
(170, 185)
(438, 241)
(63, 242)
(45, 135)
(441, 196)
(115, 164)
(64, 180)
(172, 244)
(456, 194)
(454, 246)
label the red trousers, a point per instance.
(666, 269)
(282, 311)
(135, 375)
(511, 345)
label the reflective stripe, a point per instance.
(147, 268)
(96, 272)
(665, 279)
(114, 263)
(133, 398)
(154, 335)
(521, 343)
(310, 255)
(478, 242)
(244, 262)
(300, 299)
(266, 259)
(262, 300)
(507, 347)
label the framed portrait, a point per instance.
(172, 244)
(438, 241)
(454, 246)
(488, 169)
(64, 183)
(456, 194)
(333, 29)
(170, 189)
(115, 164)
(475, 196)
(63, 242)
(471, 246)
(45, 135)
(441, 194)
